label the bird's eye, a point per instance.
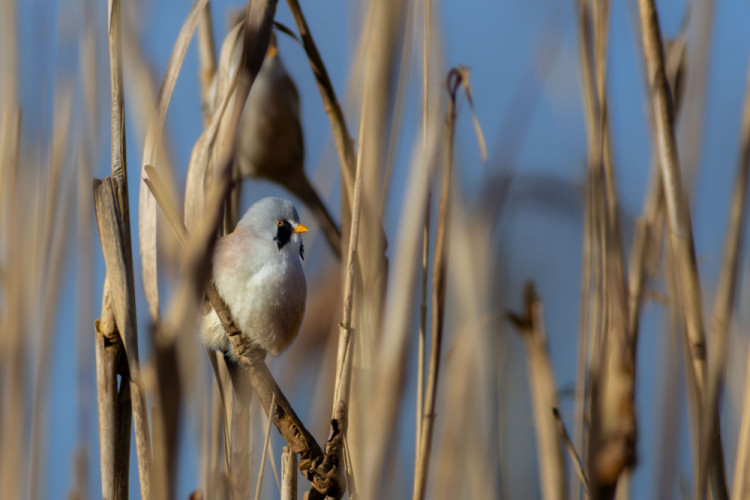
(279, 222)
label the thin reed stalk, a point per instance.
(653, 205)
(612, 373)
(741, 483)
(531, 328)
(455, 81)
(399, 107)
(154, 155)
(582, 404)
(575, 458)
(342, 381)
(699, 23)
(341, 136)
(119, 294)
(207, 59)
(169, 389)
(259, 482)
(680, 229)
(288, 474)
(422, 339)
(726, 290)
(678, 212)
(113, 217)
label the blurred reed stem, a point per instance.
(342, 382)
(678, 211)
(612, 371)
(582, 403)
(457, 78)
(207, 60)
(113, 218)
(422, 342)
(726, 291)
(341, 136)
(681, 235)
(531, 328)
(259, 481)
(741, 483)
(699, 23)
(575, 458)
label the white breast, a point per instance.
(267, 301)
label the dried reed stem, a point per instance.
(85, 289)
(50, 257)
(530, 326)
(677, 325)
(574, 456)
(422, 339)
(581, 389)
(653, 204)
(113, 217)
(440, 265)
(239, 443)
(698, 53)
(153, 154)
(341, 137)
(678, 217)
(288, 474)
(116, 247)
(168, 390)
(582, 401)
(646, 248)
(612, 371)
(422, 342)
(13, 426)
(252, 367)
(678, 212)
(259, 482)
(726, 291)
(390, 359)
(741, 483)
(398, 109)
(342, 381)
(114, 411)
(207, 59)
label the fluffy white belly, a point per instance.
(268, 307)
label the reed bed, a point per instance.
(460, 341)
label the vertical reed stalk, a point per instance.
(341, 137)
(680, 229)
(531, 328)
(422, 342)
(113, 216)
(288, 474)
(726, 291)
(439, 277)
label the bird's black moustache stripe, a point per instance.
(284, 236)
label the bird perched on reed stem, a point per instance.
(257, 271)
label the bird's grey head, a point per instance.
(275, 220)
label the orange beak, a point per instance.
(300, 229)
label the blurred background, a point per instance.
(526, 201)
